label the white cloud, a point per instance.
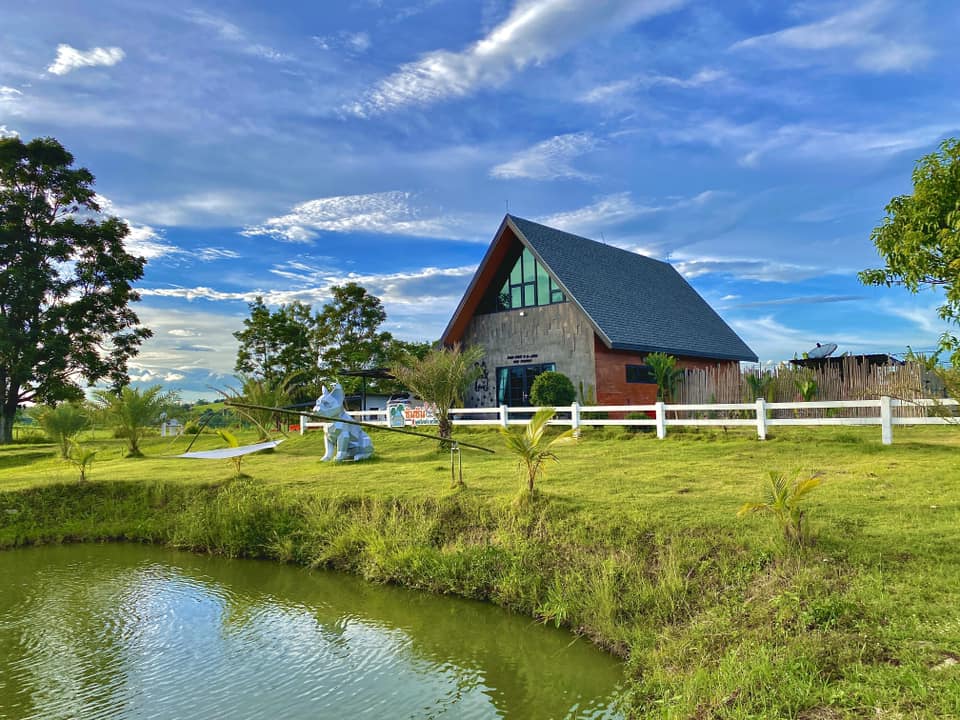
(614, 90)
(147, 242)
(762, 269)
(9, 93)
(209, 254)
(535, 31)
(235, 35)
(356, 43)
(548, 160)
(873, 34)
(183, 332)
(616, 209)
(386, 213)
(219, 208)
(756, 140)
(173, 376)
(69, 58)
(6, 132)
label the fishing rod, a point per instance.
(325, 418)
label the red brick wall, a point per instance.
(612, 385)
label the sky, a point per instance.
(280, 149)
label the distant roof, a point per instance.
(634, 302)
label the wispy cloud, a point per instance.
(799, 300)
(415, 289)
(235, 35)
(616, 90)
(535, 31)
(386, 213)
(873, 34)
(209, 207)
(548, 160)
(355, 43)
(764, 270)
(755, 140)
(69, 58)
(612, 210)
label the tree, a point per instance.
(65, 281)
(61, 423)
(552, 388)
(349, 336)
(279, 344)
(919, 239)
(533, 449)
(666, 374)
(133, 411)
(441, 377)
(259, 391)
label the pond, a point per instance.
(131, 631)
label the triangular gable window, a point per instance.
(527, 285)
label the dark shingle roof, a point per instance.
(639, 303)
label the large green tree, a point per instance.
(65, 281)
(349, 335)
(919, 239)
(278, 345)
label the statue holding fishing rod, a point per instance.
(344, 440)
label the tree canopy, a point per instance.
(65, 281)
(919, 239)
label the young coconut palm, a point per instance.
(133, 411)
(232, 441)
(783, 502)
(533, 449)
(81, 457)
(61, 423)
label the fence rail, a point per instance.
(884, 411)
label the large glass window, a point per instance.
(514, 383)
(528, 285)
(642, 374)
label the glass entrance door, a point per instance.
(514, 383)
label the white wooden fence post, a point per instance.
(661, 420)
(504, 417)
(303, 424)
(575, 418)
(761, 419)
(886, 420)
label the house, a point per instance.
(543, 299)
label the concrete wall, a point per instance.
(558, 334)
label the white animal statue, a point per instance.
(343, 440)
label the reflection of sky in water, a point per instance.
(124, 632)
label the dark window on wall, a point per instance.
(514, 383)
(640, 374)
(528, 285)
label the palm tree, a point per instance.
(232, 441)
(533, 449)
(261, 391)
(759, 384)
(61, 423)
(666, 373)
(133, 411)
(783, 502)
(441, 378)
(82, 457)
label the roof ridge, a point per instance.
(632, 253)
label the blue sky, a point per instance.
(284, 148)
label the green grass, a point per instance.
(632, 541)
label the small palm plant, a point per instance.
(231, 440)
(783, 502)
(133, 411)
(61, 423)
(81, 457)
(807, 387)
(760, 384)
(533, 449)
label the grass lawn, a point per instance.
(632, 541)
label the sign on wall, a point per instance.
(400, 415)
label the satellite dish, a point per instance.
(822, 351)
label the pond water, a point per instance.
(131, 631)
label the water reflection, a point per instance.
(122, 631)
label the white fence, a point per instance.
(885, 412)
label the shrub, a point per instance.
(552, 389)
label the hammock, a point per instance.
(230, 452)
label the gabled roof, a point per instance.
(634, 302)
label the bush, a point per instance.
(552, 389)
(61, 423)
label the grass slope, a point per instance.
(632, 541)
